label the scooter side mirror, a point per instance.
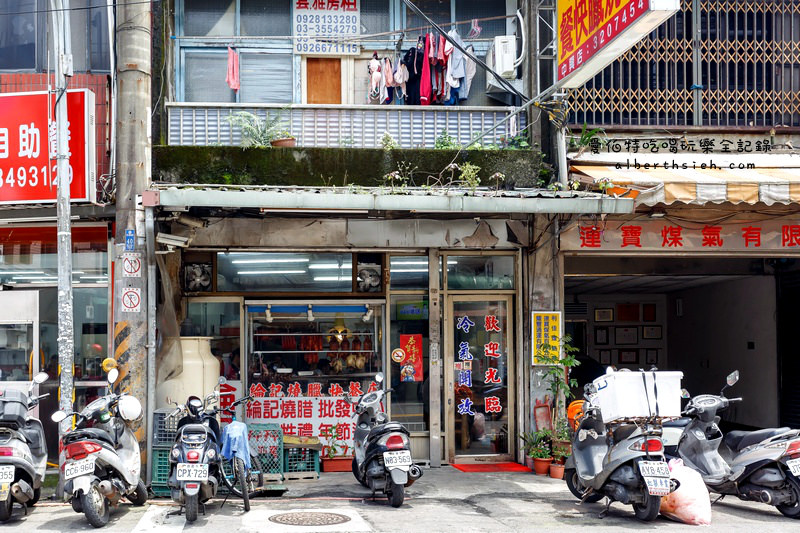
(685, 394)
(40, 378)
(732, 378)
(379, 377)
(58, 416)
(222, 380)
(113, 375)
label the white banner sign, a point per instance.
(321, 25)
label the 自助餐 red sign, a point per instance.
(28, 147)
(592, 33)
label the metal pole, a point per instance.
(66, 341)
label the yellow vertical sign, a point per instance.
(546, 328)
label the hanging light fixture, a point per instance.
(310, 314)
(268, 314)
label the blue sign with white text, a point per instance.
(130, 240)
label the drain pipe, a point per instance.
(149, 228)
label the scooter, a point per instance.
(100, 457)
(761, 466)
(622, 462)
(23, 450)
(195, 465)
(382, 458)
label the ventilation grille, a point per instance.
(576, 310)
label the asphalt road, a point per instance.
(442, 500)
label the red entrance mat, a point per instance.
(492, 467)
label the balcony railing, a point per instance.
(338, 126)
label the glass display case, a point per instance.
(313, 349)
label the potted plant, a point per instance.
(528, 442)
(561, 438)
(334, 454)
(559, 359)
(283, 139)
(540, 451)
(557, 466)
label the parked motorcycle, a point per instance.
(382, 458)
(100, 456)
(23, 450)
(195, 462)
(623, 462)
(761, 466)
(197, 466)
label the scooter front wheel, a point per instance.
(95, 506)
(647, 511)
(575, 487)
(357, 475)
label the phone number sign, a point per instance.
(320, 26)
(28, 147)
(593, 33)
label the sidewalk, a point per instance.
(444, 499)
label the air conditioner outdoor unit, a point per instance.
(501, 58)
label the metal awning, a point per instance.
(414, 201)
(774, 180)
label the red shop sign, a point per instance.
(28, 146)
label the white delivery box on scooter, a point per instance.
(625, 394)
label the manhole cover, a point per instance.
(309, 519)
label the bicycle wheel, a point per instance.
(254, 477)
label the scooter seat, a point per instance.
(679, 423)
(739, 440)
(91, 433)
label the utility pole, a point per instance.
(133, 38)
(66, 342)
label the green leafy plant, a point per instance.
(537, 443)
(257, 131)
(540, 451)
(336, 447)
(586, 137)
(558, 359)
(469, 175)
(445, 141)
(388, 142)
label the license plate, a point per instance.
(79, 468)
(794, 466)
(657, 486)
(6, 474)
(401, 458)
(192, 472)
(654, 469)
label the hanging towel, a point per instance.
(456, 64)
(425, 87)
(232, 78)
(469, 67)
(375, 81)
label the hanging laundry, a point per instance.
(400, 78)
(425, 86)
(413, 61)
(474, 30)
(375, 80)
(456, 65)
(469, 68)
(232, 77)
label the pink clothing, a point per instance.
(232, 78)
(425, 88)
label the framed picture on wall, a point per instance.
(626, 335)
(648, 312)
(604, 315)
(600, 335)
(629, 357)
(651, 356)
(628, 312)
(651, 332)
(605, 357)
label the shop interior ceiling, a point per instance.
(638, 284)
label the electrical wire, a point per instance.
(36, 11)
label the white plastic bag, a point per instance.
(689, 504)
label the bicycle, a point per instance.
(242, 471)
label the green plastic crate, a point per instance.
(266, 443)
(160, 470)
(300, 460)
